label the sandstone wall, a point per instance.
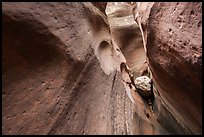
(52, 81)
(174, 49)
(61, 68)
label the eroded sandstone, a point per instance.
(174, 32)
(62, 68)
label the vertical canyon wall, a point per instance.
(61, 68)
(174, 50)
(52, 80)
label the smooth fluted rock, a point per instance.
(61, 68)
(52, 81)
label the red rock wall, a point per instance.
(52, 81)
(174, 49)
(59, 69)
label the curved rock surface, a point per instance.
(174, 48)
(52, 81)
(61, 68)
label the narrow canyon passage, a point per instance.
(61, 68)
(125, 31)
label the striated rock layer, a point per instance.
(52, 81)
(125, 32)
(61, 68)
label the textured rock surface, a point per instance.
(52, 81)
(61, 68)
(126, 33)
(166, 108)
(174, 48)
(143, 83)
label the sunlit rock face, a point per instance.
(126, 34)
(174, 48)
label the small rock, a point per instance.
(143, 85)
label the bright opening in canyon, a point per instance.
(101, 68)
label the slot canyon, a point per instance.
(71, 68)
